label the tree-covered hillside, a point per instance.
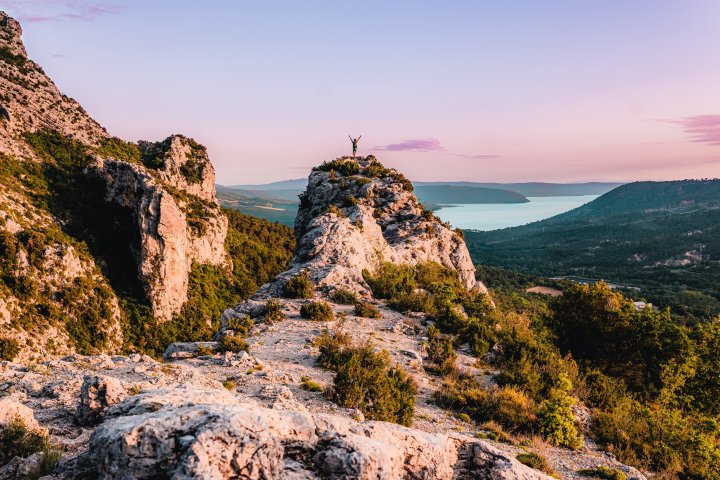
(658, 236)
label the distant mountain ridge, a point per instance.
(277, 201)
(528, 189)
(451, 194)
(539, 189)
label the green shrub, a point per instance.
(604, 473)
(507, 406)
(440, 350)
(344, 167)
(299, 286)
(464, 417)
(118, 149)
(9, 348)
(391, 280)
(375, 170)
(602, 391)
(536, 461)
(601, 327)
(331, 347)
(272, 311)
(311, 386)
(241, 325)
(417, 301)
(556, 419)
(657, 437)
(365, 381)
(17, 440)
(350, 201)
(404, 181)
(335, 210)
(361, 180)
(203, 351)
(343, 296)
(233, 343)
(49, 458)
(318, 311)
(367, 310)
(493, 431)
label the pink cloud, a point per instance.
(38, 11)
(702, 128)
(425, 145)
(419, 145)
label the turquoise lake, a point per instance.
(494, 216)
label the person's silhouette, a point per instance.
(355, 143)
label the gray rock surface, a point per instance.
(207, 441)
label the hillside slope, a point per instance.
(662, 236)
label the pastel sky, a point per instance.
(553, 90)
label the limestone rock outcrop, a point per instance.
(356, 214)
(177, 215)
(203, 441)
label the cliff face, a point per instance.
(179, 220)
(356, 214)
(55, 163)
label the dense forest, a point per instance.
(660, 239)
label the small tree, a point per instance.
(318, 311)
(556, 418)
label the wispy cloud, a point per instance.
(39, 11)
(425, 145)
(702, 128)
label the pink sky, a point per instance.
(554, 91)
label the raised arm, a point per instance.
(359, 138)
(350, 137)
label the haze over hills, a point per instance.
(662, 236)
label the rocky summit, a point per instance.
(356, 214)
(329, 364)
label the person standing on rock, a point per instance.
(355, 144)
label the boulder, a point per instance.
(181, 350)
(11, 410)
(97, 393)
